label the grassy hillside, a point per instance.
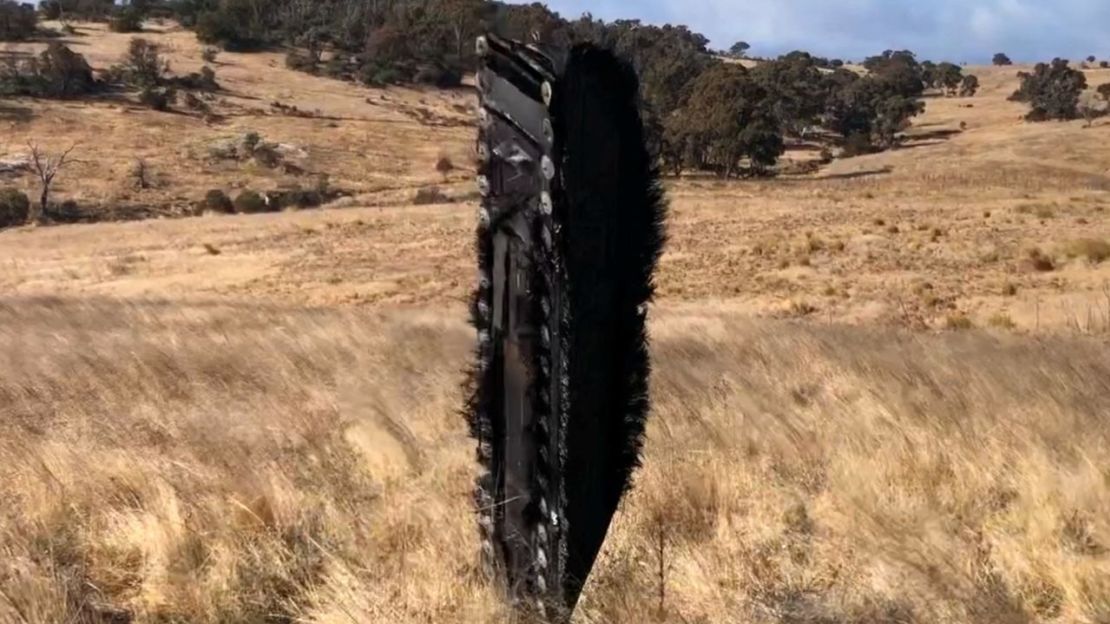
(368, 142)
(231, 463)
(880, 390)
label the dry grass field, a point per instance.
(881, 393)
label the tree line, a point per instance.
(702, 109)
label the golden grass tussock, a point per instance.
(1093, 250)
(230, 463)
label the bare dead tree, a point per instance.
(47, 169)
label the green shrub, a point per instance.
(378, 75)
(208, 79)
(127, 20)
(15, 207)
(204, 80)
(57, 72)
(217, 201)
(857, 144)
(438, 76)
(300, 62)
(444, 166)
(338, 67)
(296, 198)
(158, 98)
(194, 103)
(430, 195)
(250, 202)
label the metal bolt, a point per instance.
(483, 188)
(541, 533)
(483, 117)
(545, 336)
(478, 82)
(548, 168)
(541, 558)
(547, 92)
(546, 205)
(545, 305)
(541, 584)
(481, 46)
(483, 152)
(546, 234)
(548, 131)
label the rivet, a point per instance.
(481, 46)
(548, 131)
(546, 205)
(548, 167)
(483, 188)
(547, 92)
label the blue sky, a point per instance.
(955, 30)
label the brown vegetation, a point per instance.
(221, 462)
